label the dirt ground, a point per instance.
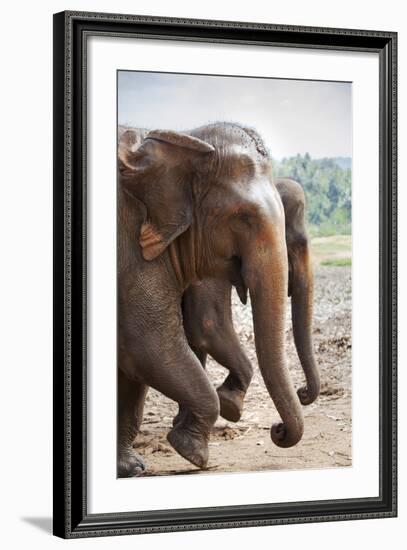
(246, 445)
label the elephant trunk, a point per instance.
(266, 273)
(301, 310)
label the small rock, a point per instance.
(229, 433)
(163, 448)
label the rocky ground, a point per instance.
(246, 445)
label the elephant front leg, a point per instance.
(226, 350)
(209, 328)
(131, 396)
(218, 338)
(182, 411)
(181, 377)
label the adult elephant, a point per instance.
(193, 206)
(208, 316)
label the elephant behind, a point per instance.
(208, 316)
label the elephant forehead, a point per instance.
(259, 200)
(240, 162)
(265, 196)
(240, 152)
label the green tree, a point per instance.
(327, 187)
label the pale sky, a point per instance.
(292, 116)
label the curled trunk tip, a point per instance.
(286, 436)
(309, 393)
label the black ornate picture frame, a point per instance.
(71, 517)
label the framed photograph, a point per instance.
(224, 274)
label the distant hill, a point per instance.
(343, 162)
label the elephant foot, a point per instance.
(231, 403)
(190, 446)
(179, 417)
(130, 464)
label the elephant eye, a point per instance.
(245, 218)
(240, 221)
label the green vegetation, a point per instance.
(337, 262)
(334, 251)
(327, 186)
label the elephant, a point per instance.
(208, 317)
(192, 206)
(207, 312)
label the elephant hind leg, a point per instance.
(131, 397)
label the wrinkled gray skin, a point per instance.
(191, 207)
(208, 317)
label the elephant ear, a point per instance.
(165, 158)
(181, 140)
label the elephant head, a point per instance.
(213, 210)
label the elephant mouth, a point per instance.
(236, 279)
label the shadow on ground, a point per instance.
(44, 524)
